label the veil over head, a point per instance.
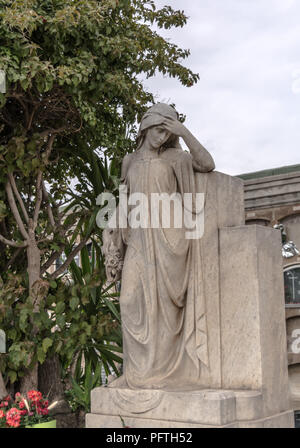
(155, 116)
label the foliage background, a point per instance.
(74, 73)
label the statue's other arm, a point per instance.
(202, 160)
(114, 239)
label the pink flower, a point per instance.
(13, 417)
(2, 414)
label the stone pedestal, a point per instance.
(188, 409)
(253, 341)
(246, 384)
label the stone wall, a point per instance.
(273, 197)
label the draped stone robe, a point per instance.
(162, 300)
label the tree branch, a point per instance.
(39, 189)
(62, 232)
(51, 260)
(12, 243)
(49, 208)
(49, 148)
(70, 258)
(44, 240)
(29, 123)
(18, 196)
(39, 197)
(15, 210)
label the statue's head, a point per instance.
(152, 123)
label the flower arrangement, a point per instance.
(22, 412)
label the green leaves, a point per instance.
(74, 302)
(12, 375)
(41, 355)
(23, 319)
(73, 69)
(47, 342)
(60, 307)
(53, 284)
(91, 53)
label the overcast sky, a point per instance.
(246, 107)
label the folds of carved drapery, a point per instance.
(164, 293)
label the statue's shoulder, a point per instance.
(178, 155)
(126, 162)
(128, 158)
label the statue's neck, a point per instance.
(149, 152)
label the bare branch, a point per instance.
(18, 196)
(49, 148)
(39, 188)
(53, 131)
(12, 243)
(30, 119)
(14, 209)
(51, 260)
(70, 258)
(44, 240)
(39, 197)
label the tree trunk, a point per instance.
(30, 379)
(50, 383)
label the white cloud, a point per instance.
(244, 109)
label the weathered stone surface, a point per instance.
(270, 191)
(162, 409)
(215, 407)
(224, 206)
(252, 314)
(282, 420)
(249, 405)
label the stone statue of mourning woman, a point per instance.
(160, 302)
(203, 316)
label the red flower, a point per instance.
(13, 417)
(22, 405)
(2, 414)
(8, 398)
(34, 396)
